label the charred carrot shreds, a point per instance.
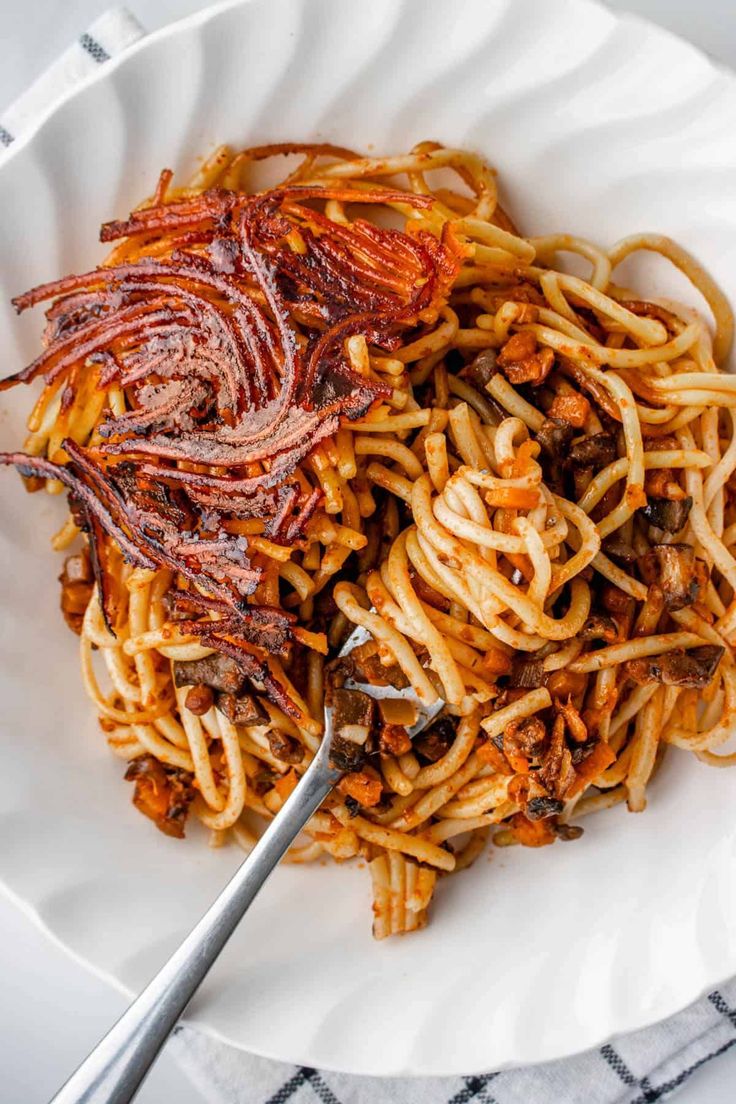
(237, 401)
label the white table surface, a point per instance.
(51, 1009)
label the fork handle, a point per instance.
(114, 1071)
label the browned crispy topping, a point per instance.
(556, 773)
(235, 359)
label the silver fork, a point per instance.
(114, 1071)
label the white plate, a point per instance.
(600, 125)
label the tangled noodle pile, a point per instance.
(276, 416)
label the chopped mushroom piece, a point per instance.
(199, 700)
(163, 794)
(668, 514)
(353, 715)
(599, 626)
(241, 709)
(427, 593)
(352, 721)
(364, 664)
(677, 571)
(481, 369)
(526, 673)
(77, 581)
(284, 748)
(693, 669)
(436, 740)
(618, 549)
(596, 451)
(538, 808)
(582, 478)
(521, 741)
(554, 437)
(616, 600)
(218, 671)
(263, 781)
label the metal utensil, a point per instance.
(114, 1071)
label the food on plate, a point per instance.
(361, 397)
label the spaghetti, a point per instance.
(276, 417)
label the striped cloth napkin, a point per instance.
(107, 36)
(642, 1068)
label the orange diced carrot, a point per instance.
(531, 833)
(513, 498)
(519, 347)
(394, 740)
(572, 408)
(525, 453)
(317, 641)
(365, 788)
(594, 764)
(496, 662)
(489, 753)
(286, 783)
